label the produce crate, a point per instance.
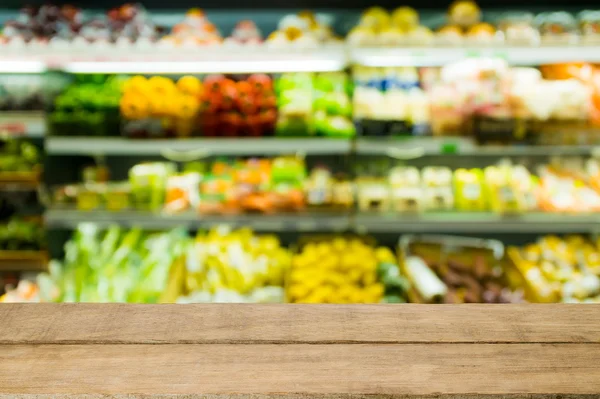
(432, 248)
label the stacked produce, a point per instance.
(21, 234)
(62, 27)
(344, 270)
(87, 107)
(559, 270)
(231, 266)
(19, 158)
(194, 30)
(242, 107)
(456, 270)
(131, 27)
(464, 27)
(160, 107)
(303, 30)
(115, 265)
(314, 104)
(218, 106)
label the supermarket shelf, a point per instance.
(410, 148)
(517, 56)
(414, 147)
(455, 222)
(22, 123)
(194, 148)
(167, 60)
(69, 219)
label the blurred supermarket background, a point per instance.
(349, 154)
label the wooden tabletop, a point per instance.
(299, 351)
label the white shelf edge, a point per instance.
(305, 221)
(483, 222)
(437, 56)
(224, 146)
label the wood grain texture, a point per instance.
(178, 324)
(393, 369)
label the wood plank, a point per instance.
(116, 323)
(388, 369)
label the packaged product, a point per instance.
(373, 194)
(519, 29)
(589, 24)
(557, 28)
(455, 270)
(509, 189)
(182, 192)
(118, 197)
(405, 189)
(468, 190)
(148, 184)
(438, 194)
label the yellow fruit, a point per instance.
(384, 254)
(134, 107)
(190, 85)
(136, 85)
(369, 278)
(355, 275)
(375, 290)
(339, 244)
(298, 291)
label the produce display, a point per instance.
(64, 27)
(284, 184)
(501, 104)
(237, 266)
(314, 104)
(19, 159)
(344, 270)
(465, 27)
(130, 26)
(293, 104)
(27, 92)
(559, 269)
(480, 97)
(20, 234)
(390, 101)
(456, 270)
(89, 106)
(224, 187)
(563, 185)
(114, 265)
(231, 266)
